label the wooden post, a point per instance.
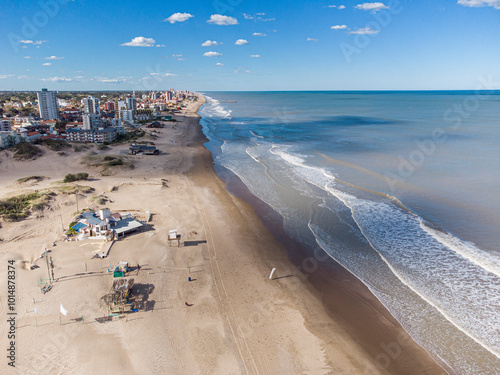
(189, 267)
(47, 261)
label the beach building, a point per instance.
(105, 225)
(78, 135)
(106, 135)
(47, 105)
(100, 136)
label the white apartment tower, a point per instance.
(91, 105)
(91, 113)
(131, 103)
(47, 105)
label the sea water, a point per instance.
(401, 188)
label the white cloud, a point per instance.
(140, 41)
(256, 56)
(47, 64)
(178, 17)
(259, 34)
(341, 7)
(373, 7)
(57, 79)
(219, 64)
(338, 7)
(365, 31)
(339, 27)
(312, 39)
(241, 42)
(33, 41)
(248, 16)
(111, 80)
(54, 58)
(212, 54)
(209, 43)
(164, 74)
(218, 19)
(27, 57)
(160, 45)
(480, 3)
(3, 76)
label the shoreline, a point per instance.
(332, 282)
(239, 321)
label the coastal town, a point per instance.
(99, 118)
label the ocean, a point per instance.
(400, 188)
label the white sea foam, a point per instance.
(463, 292)
(468, 250)
(314, 175)
(216, 109)
(256, 135)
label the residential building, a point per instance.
(127, 115)
(9, 138)
(4, 126)
(91, 121)
(143, 114)
(109, 105)
(131, 104)
(106, 135)
(78, 135)
(47, 105)
(120, 106)
(29, 136)
(71, 114)
(91, 105)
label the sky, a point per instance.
(240, 45)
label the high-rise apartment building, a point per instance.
(91, 105)
(91, 113)
(47, 105)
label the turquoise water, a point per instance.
(401, 188)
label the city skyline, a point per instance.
(329, 45)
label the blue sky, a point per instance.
(284, 45)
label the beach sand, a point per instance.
(240, 322)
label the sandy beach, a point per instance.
(239, 321)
